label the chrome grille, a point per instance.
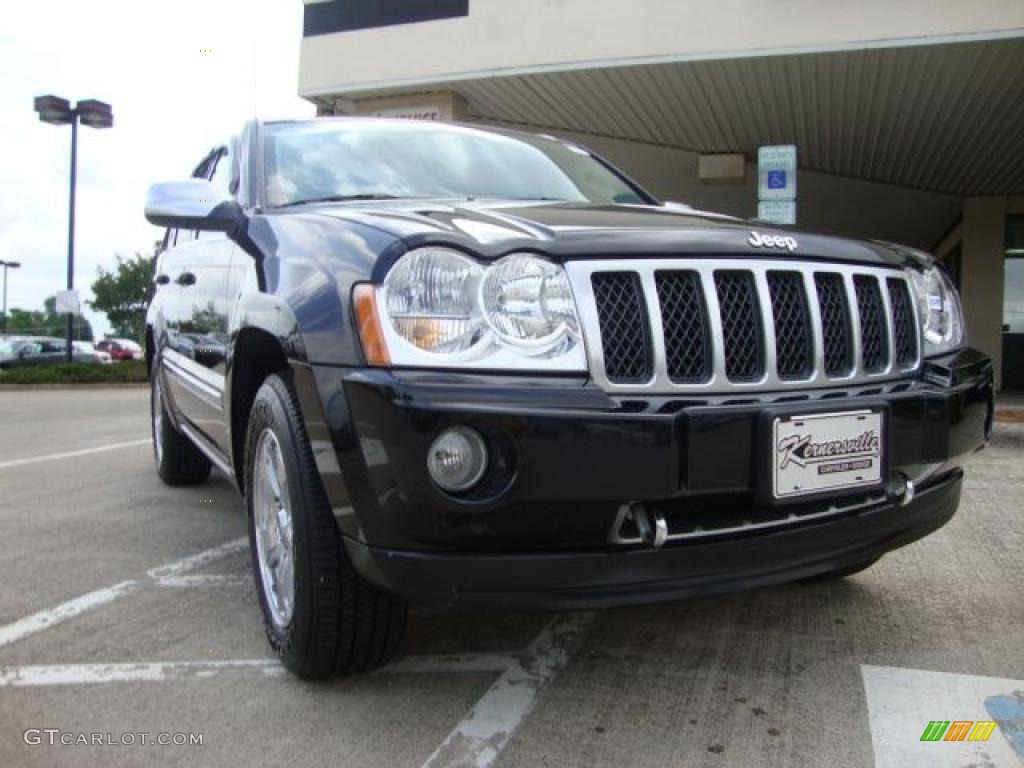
(623, 322)
(741, 324)
(683, 314)
(834, 311)
(734, 325)
(794, 348)
(903, 328)
(874, 341)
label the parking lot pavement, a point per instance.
(126, 608)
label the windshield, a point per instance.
(370, 159)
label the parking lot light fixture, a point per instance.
(95, 114)
(7, 265)
(53, 110)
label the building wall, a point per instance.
(499, 36)
(834, 204)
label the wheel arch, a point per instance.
(256, 354)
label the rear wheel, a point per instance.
(321, 617)
(178, 461)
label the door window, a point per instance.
(220, 178)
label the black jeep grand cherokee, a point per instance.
(481, 368)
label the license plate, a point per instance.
(823, 452)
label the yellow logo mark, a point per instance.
(982, 730)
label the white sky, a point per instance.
(172, 102)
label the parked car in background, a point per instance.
(120, 349)
(87, 348)
(8, 349)
(23, 351)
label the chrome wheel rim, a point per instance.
(158, 420)
(272, 521)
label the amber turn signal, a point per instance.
(368, 321)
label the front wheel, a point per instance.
(321, 617)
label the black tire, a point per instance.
(178, 461)
(842, 573)
(340, 623)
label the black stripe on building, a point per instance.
(347, 15)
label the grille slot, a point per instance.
(834, 311)
(625, 335)
(904, 327)
(683, 316)
(741, 324)
(874, 347)
(794, 348)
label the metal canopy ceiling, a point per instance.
(947, 118)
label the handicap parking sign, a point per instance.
(776, 171)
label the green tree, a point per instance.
(33, 322)
(124, 293)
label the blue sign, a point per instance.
(776, 179)
(776, 173)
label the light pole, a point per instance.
(95, 114)
(7, 265)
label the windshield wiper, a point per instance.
(342, 199)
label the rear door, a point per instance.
(195, 313)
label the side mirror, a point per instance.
(192, 204)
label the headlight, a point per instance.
(439, 308)
(528, 303)
(938, 307)
(430, 298)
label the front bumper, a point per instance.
(566, 458)
(569, 581)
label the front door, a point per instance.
(197, 319)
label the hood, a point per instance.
(577, 230)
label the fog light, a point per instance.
(457, 459)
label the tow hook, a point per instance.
(651, 526)
(908, 491)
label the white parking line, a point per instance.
(158, 671)
(480, 737)
(48, 618)
(476, 741)
(194, 580)
(44, 619)
(200, 558)
(72, 454)
(902, 703)
(163, 671)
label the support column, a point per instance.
(984, 234)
